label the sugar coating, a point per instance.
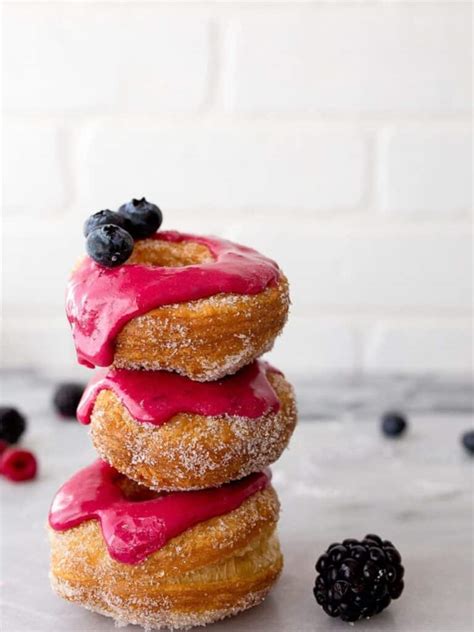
(205, 339)
(144, 611)
(211, 571)
(206, 450)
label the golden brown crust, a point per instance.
(169, 254)
(210, 571)
(191, 451)
(205, 339)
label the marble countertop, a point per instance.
(340, 478)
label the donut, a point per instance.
(168, 432)
(201, 306)
(172, 560)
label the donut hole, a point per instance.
(134, 492)
(168, 254)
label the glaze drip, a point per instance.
(100, 301)
(157, 396)
(132, 529)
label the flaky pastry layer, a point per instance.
(211, 571)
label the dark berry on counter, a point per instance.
(142, 218)
(67, 397)
(101, 218)
(18, 465)
(357, 579)
(393, 424)
(467, 440)
(109, 245)
(12, 424)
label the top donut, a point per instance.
(201, 306)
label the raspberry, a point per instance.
(18, 465)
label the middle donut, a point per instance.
(168, 432)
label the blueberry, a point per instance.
(109, 245)
(103, 217)
(393, 424)
(142, 218)
(67, 397)
(467, 440)
(12, 424)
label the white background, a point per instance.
(332, 135)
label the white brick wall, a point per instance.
(227, 168)
(34, 168)
(335, 136)
(419, 346)
(352, 59)
(79, 57)
(426, 171)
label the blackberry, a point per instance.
(103, 217)
(109, 245)
(142, 218)
(358, 579)
(12, 424)
(67, 397)
(393, 424)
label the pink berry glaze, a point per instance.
(133, 529)
(100, 301)
(157, 396)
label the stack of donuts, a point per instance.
(175, 525)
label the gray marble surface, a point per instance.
(333, 396)
(339, 478)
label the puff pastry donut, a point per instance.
(163, 560)
(170, 433)
(201, 306)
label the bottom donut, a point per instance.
(170, 560)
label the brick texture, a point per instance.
(34, 169)
(427, 172)
(96, 57)
(345, 59)
(227, 169)
(421, 347)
